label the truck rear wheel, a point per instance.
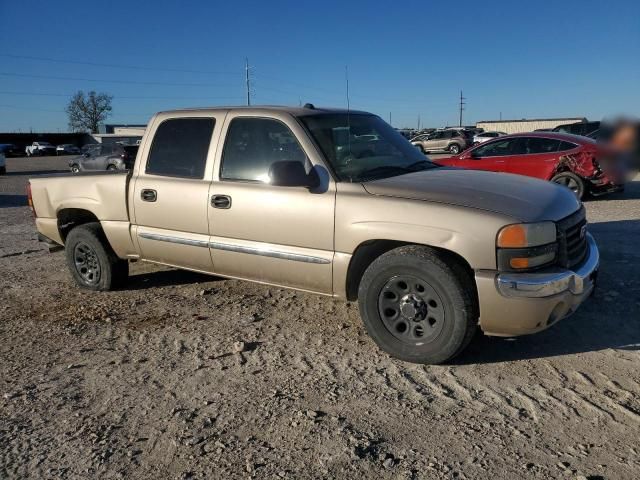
(92, 262)
(416, 306)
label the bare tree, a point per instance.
(86, 112)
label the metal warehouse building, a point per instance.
(525, 125)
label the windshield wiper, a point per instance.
(372, 172)
(421, 165)
(395, 170)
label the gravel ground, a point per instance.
(187, 376)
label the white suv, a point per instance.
(484, 136)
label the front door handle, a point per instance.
(221, 201)
(149, 195)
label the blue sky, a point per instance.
(410, 59)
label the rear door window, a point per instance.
(180, 147)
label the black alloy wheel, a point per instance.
(412, 311)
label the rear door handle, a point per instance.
(149, 195)
(221, 201)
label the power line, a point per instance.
(14, 107)
(33, 109)
(112, 65)
(131, 82)
(134, 97)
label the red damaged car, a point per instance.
(569, 160)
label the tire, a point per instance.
(573, 182)
(112, 168)
(92, 262)
(75, 168)
(428, 293)
(454, 149)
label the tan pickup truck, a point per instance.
(336, 203)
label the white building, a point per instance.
(525, 125)
(110, 133)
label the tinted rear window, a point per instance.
(566, 146)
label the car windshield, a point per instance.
(363, 147)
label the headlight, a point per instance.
(526, 246)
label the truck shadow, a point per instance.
(7, 201)
(165, 278)
(631, 192)
(35, 173)
(608, 320)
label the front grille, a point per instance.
(573, 247)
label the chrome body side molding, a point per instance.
(172, 239)
(265, 252)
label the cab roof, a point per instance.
(265, 109)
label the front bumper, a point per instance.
(523, 303)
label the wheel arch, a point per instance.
(368, 251)
(69, 218)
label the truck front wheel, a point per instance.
(92, 262)
(416, 306)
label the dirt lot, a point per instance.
(145, 382)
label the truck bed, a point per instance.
(104, 194)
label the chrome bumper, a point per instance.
(540, 285)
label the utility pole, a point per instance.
(389, 118)
(346, 79)
(462, 104)
(500, 116)
(418, 122)
(246, 72)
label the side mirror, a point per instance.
(292, 174)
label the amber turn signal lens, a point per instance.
(519, 263)
(513, 236)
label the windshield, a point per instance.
(363, 147)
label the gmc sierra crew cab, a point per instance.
(276, 195)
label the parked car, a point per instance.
(3, 164)
(485, 136)
(67, 149)
(453, 141)
(89, 146)
(105, 157)
(580, 128)
(570, 160)
(10, 150)
(428, 252)
(40, 148)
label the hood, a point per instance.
(523, 198)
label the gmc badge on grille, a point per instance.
(583, 231)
